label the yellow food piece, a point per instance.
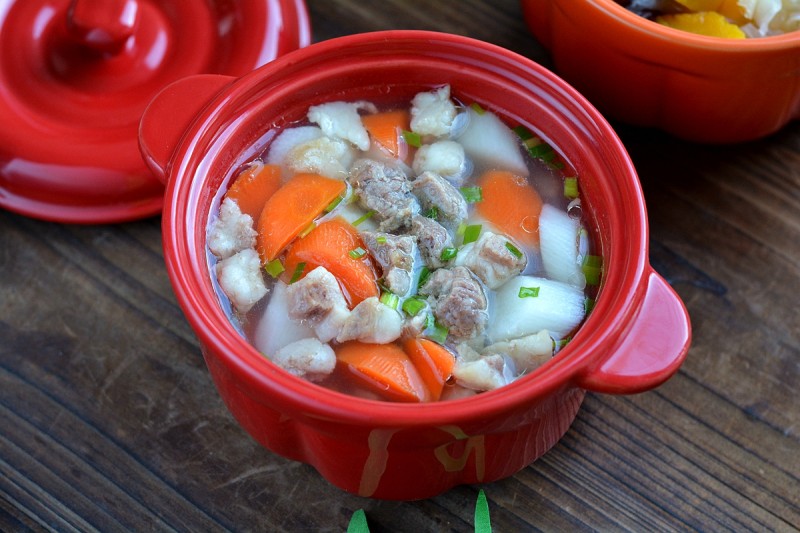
(727, 8)
(704, 23)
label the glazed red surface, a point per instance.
(636, 337)
(700, 88)
(76, 75)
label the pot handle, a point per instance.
(651, 350)
(170, 113)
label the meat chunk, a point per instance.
(395, 254)
(306, 358)
(240, 278)
(437, 196)
(486, 373)
(341, 120)
(372, 321)
(317, 300)
(386, 191)
(232, 232)
(324, 155)
(458, 301)
(432, 113)
(490, 259)
(445, 158)
(432, 239)
(527, 352)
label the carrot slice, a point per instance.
(253, 187)
(336, 245)
(386, 129)
(433, 362)
(386, 368)
(510, 204)
(292, 209)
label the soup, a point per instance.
(417, 252)
(733, 19)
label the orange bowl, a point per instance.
(704, 89)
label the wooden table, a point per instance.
(109, 419)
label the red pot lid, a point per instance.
(76, 75)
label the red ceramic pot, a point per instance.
(197, 131)
(700, 88)
(75, 76)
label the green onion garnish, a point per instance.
(380, 239)
(592, 267)
(513, 249)
(298, 272)
(461, 229)
(390, 299)
(363, 217)
(472, 194)
(563, 342)
(448, 253)
(424, 274)
(528, 292)
(412, 306)
(571, 187)
(357, 253)
(477, 108)
(412, 138)
(483, 522)
(333, 204)
(308, 230)
(274, 268)
(432, 213)
(471, 233)
(523, 133)
(439, 333)
(588, 305)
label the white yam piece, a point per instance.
(489, 142)
(275, 329)
(559, 245)
(288, 139)
(306, 358)
(558, 308)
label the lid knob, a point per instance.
(103, 25)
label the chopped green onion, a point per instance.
(357, 253)
(483, 522)
(523, 133)
(365, 216)
(358, 523)
(432, 213)
(471, 233)
(592, 267)
(540, 149)
(571, 187)
(412, 306)
(298, 272)
(308, 230)
(513, 249)
(461, 229)
(390, 299)
(448, 253)
(274, 268)
(333, 204)
(429, 321)
(477, 108)
(412, 138)
(472, 194)
(563, 342)
(439, 333)
(424, 274)
(380, 239)
(528, 292)
(588, 305)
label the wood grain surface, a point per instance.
(109, 420)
